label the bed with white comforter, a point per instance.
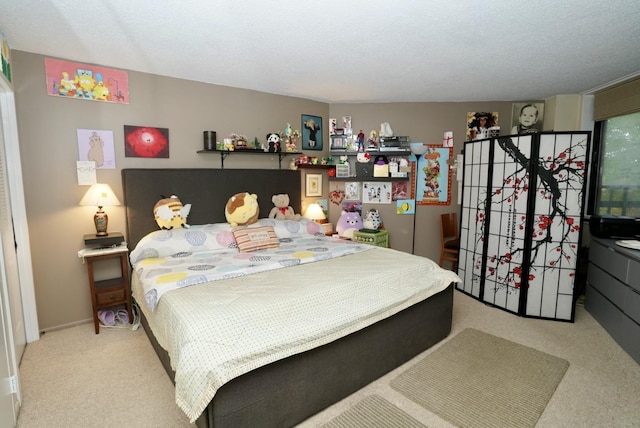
(242, 322)
(273, 347)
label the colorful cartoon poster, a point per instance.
(87, 82)
(432, 180)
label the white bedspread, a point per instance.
(220, 330)
(162, 274)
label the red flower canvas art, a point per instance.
(146, 142)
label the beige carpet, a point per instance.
(373, 412)
(480, 380)
(75, 378)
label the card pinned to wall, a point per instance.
(376, 192)
(405, 206)
(447, 141)
(352, 191)
(86, 173)
(324, 203)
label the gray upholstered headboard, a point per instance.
(207, 190)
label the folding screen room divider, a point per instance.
(521, 218)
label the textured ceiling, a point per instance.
(346, 50)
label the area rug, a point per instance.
(373, 412)
(480, 380)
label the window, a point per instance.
(615, 173)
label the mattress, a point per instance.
(216, 331)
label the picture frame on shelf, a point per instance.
(338, 142)
(313, 185)
(311, 132)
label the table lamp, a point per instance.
(418, 149)
(100, 195)
(315, 212)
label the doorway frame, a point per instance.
(9, 120)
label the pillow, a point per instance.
(293, 228)
(170, 213)
(255, 238)
(242, 209)
(167, 243)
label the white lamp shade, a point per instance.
(418, 149)
(314, 212)
(99, 195)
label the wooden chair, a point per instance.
(449, 241)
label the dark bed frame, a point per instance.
(288, 391)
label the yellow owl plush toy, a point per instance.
(242, 209)
(170, 213)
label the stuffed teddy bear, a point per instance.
(348, 223)
(282, 210)
(242, 209)
(170, 213)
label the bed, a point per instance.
(284, 390)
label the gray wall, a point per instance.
(49, 151)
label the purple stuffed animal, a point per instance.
(348, 223)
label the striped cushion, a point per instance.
(255, 238)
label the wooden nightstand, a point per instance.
(110, 292)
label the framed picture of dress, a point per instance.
(311, 132)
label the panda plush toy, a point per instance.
(372, 220)
(273, 141)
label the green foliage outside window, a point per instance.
(619, 183)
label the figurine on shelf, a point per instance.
(289, 138)
(360, 141)
(373, 140)
(292, 143)
(302, 160)
(239, 141)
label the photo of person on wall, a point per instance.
(526, 118)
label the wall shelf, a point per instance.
(311, 166)
(368, 178)
(225, 153)
(372, 153)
